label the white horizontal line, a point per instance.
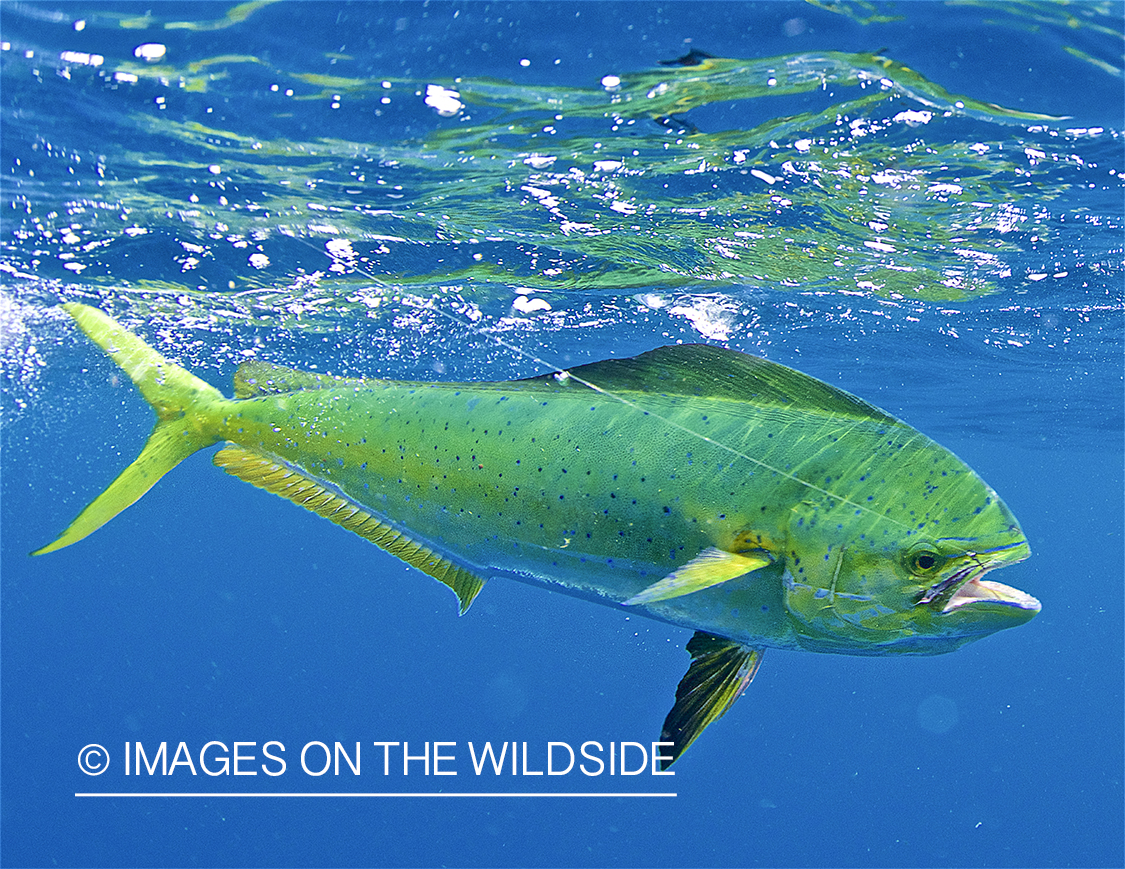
(366, 795)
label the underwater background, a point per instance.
(918, 202)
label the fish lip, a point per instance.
(967, 586)
(977, 591)
(941, 593)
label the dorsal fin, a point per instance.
(698, 370)
(256, 378)
(275, 476)
(702, 370)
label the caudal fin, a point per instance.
(171, 390)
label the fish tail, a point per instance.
(173, 393)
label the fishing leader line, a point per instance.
(562, 375)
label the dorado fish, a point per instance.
(727, 494)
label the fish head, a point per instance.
(894, 589)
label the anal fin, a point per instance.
(720, 671)
(275, 476)
(711, 567)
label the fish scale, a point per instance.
(451, 458)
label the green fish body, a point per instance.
(724, 493)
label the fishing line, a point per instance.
(563, 374)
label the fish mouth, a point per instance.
(975, 591)
(968, 588)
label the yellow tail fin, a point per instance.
(171, 390)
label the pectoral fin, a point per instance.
(711, 567)
(720, 671)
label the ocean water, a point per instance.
(920, 203)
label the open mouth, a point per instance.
(967, 587)
(977, 590)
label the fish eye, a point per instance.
(924, 561)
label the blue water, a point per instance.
(946, 243)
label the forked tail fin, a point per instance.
(171, 390)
